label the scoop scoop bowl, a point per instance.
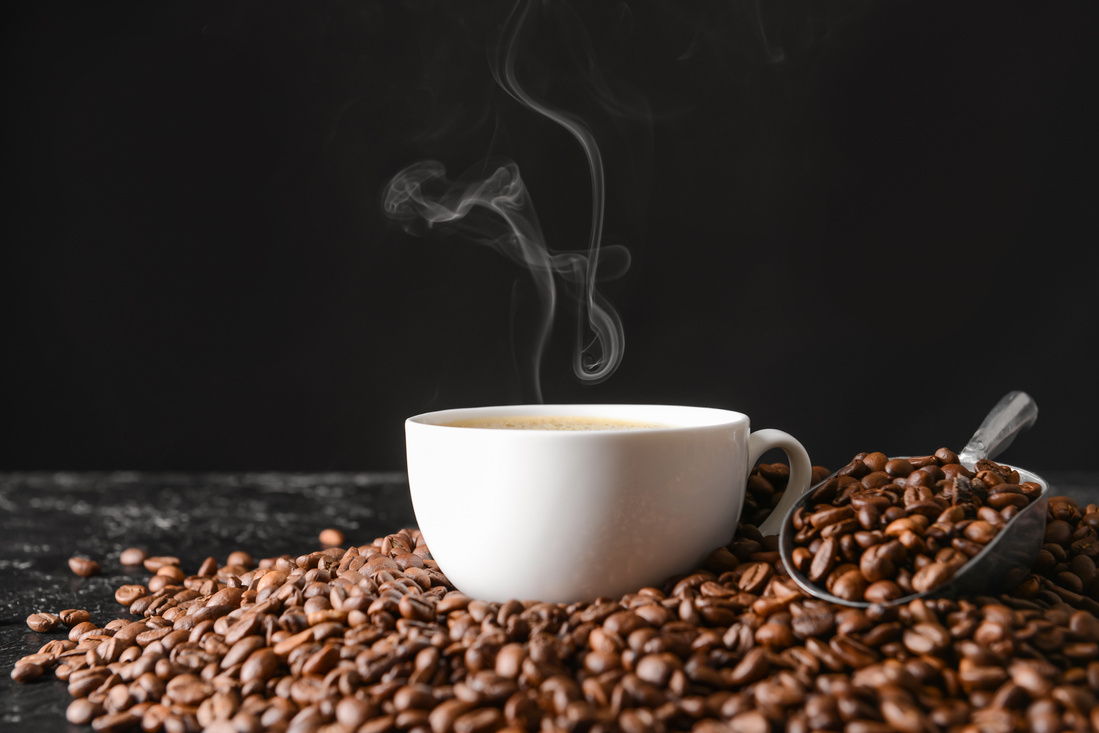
(1005, 560)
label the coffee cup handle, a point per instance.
(801, 472)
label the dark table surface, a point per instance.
(45, 518)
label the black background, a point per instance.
(859, 222)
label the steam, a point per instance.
(422, 194)
(597, 356)
(775, 54)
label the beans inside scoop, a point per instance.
(882, 529)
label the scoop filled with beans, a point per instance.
(882, 529)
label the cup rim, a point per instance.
(668, 417)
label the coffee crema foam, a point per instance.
(554, 422)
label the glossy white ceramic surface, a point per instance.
(574, 515)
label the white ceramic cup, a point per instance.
(573, 515)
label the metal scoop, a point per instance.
(1006, 559)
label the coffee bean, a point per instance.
(70, 617)
(127, 594)
(824, 561)
(43, 622)
(156, 563)
(980, 531)
(904, 715)
(926, 638)
(1058, 532)
(754, 666)
(883, 591)
(898, 467)
(82, 711)
(331, 537)
(832, 515)
(240, 558)
(751, 721)
(26, 672)
(931, 576)
(260, 665)
(132, 556)
(1083, 625)
(115, 722)
(853, 652)
(812, 620)
(851, 585)
(208, 568)
(82, 629)
(84, 567)
(483, 720)
(945, 456)
(879, 562)
(82, 686)
(754, 577)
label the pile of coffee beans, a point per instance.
(373, 638)
(882, 529)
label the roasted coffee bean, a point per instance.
(26, 671)
(980, 531)
(82, 711)
(753, 667)
(812, 619)
(132, 556)
(84, 567)
(482, 720)
(156, 563)
(824, 560)
(127, 594)
(850, 585)
(208, 568)
(82, 629)
(898, 467)
(826, 517)
(926, 638)
(883, 591)
(43, 622)
(115, 722)
(931, 576)
(881, 561)
(331, 537)
(240, 558)
(70, 617)
(754, 577)
(657, 669)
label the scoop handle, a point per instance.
(1015, 412)
(801, 472)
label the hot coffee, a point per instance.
(554, 422)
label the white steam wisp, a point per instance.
(422, 194)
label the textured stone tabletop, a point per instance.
(45, 518)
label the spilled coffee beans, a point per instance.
(373, 638)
